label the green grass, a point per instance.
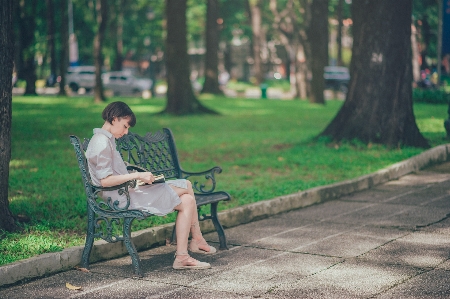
(264, 148)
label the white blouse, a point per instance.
(104, 160)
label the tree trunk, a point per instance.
(211, 84)
(6, 61)
(256, 20)
(102, 15)
(415, 55)
(180, 96)
(318, 42)
(287, 25)
(51, 38)
(64, 51)
(118, 29)
(26, 14)
(339, 32)
(379, 104)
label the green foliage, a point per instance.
(432, 96)
(255, 142)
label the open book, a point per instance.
(132, 168)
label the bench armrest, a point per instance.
(109, 204)
(209, 175)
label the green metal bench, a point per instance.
(155, 152)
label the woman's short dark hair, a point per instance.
(120, 110)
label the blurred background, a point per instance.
(262, 47)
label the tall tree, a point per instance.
(211, 84)
(339, 32)
(26, 14)
(64, 46)
(291, 22)
(180, 96)
(51, 37)
(6, 61)
(318, 48)
(255, 13)
(102, 19)
(117, 32)
(379, 104)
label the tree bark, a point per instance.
(379, 105)
(51, 36)
(318, 43)
(180, 96)
(339, 33)
(102, 19)
(118, 35)
(256, 21)
(64, 51)
(211, 84)
(6, 61)
(287, 24)
(26, 19)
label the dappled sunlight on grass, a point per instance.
(435, 125)
(13, 164)
(146, 109)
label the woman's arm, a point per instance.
(114, 180)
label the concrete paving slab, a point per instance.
(410, 254)
(259, 277)
(430, 285)
(137, 288)
(445, 266)
(330, 210)
(253, 231)
(292, 239)
(441, 227)
(344, 245)
(55, 285)
(350, 279)
(414, 217)
(385, 233)
(393, 215)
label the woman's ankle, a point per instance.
(181, 255)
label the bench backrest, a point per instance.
(80, 149)
(155, 152)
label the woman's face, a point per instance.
(120, 127)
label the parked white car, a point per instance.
(123, 83)
(81, 77)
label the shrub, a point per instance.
(431, 96)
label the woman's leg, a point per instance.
(183, 222)
(185, 209)
(194, 225)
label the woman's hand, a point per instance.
(114, 180)
(145, 177)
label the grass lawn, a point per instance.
(264, 147)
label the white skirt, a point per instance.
(158, 199)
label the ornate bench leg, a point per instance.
(136, 262)
(218, 226)
(89, 239)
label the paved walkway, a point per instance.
(391, 241)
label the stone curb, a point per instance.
(67, 259)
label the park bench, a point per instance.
(155, 152)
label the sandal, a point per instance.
(194, 247)
(189, 263)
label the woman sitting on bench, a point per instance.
(107, 169)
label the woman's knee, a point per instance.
(189, 184)
(188, 201)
